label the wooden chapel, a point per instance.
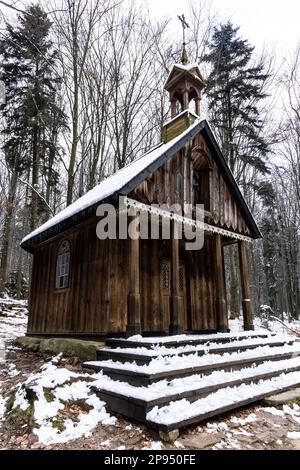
(84, 286)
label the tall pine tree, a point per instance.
(234, 91)
(31, 110)
(31, 114)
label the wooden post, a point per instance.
(175, 327)
(221, 307)
(173, 108)
(197, 106)
(246, 302)
(185, 99)
(133, 326)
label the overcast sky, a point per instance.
(275, 23)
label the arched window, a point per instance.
(63, 265)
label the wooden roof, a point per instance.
(125, 180)
(179, 71)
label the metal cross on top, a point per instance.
(184, 58)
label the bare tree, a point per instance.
(75, 28)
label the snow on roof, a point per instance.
(186, 111)
(186, 68)
(110, 185)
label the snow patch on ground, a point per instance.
(2, 406)
(293, 435)
(46, 411)
(214, 427)
(242, 421)
(13, 321)
(293, 410)
(155, 445)
(236, 325)
(273, 411)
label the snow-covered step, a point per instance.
(170, 367)
(184, 339)
(136, 402)
(182, 413)
(142, 355)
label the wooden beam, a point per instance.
(246, 302)
(185, 99)
(173, 108)
(175, 327)
(197, 105)
(221, 307)
(133, 326)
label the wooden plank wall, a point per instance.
(203, 288)
(98, 286)
(96, 301)
(173, 183)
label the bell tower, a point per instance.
(184, 85)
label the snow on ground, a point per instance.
(293, 411)
(56, 388)
(263, 425)
(155, 445)
(293, 435)
(242, 421)
(2, 406)
(13, 319)
(236, 325)
(63, 386)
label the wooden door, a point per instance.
(165, 290)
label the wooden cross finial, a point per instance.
(184, 57)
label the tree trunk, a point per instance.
(75, 112)
(73, 151)
(6, 234)
(35, 177)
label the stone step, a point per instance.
(282, 398)
(183, 340)
(132, 375)
(180, 414)
(142, 357)
(137, 408)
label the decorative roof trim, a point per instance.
(140, 206)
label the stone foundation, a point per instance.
(83, 349)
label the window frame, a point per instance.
(200, 176)
(62, 266)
